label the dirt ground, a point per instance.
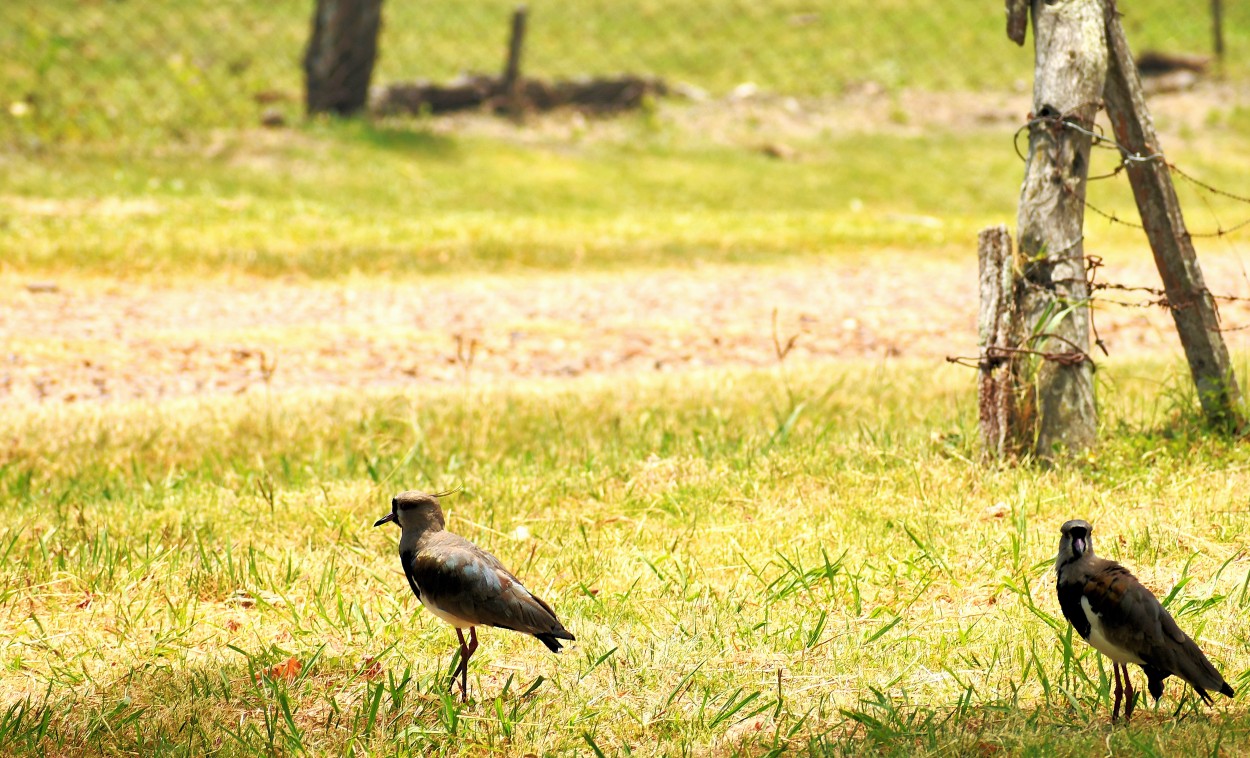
(93, 340)
(88, 341)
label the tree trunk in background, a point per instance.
(339, 61)
(1070, 70)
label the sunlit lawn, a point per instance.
(405, 199)
(809, 558)
(753, 561)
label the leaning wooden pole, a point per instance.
(1193, 309)
(1070, 71)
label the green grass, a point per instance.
(141, 71)
(425, 203)
(394, 199)
(750, 561)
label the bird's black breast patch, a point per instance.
(1070, 601)
(405, 559)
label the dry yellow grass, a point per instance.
(744, 568)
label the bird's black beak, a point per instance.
(1080, 540)
(387, 519)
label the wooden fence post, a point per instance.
(338, 63)
(1193, 309)
(1017, 20)
(1217, 29)
(1004, 429)
(511, 84)
(1070, 70)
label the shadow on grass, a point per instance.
(390, 135)
(250, 710)
(1001, 729)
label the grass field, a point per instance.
(426, 203)
(806, 560)
(802, 558)
(405, 199)
(751, 561)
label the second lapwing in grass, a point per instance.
(462, 584)
(1125, 622)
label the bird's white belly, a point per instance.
(457, 622)
(1100, 642)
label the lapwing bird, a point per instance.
(463, 584)
(1125, 622)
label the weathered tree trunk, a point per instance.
(1071, 68)
(339, 61)
(1193, 309)
(998, 328)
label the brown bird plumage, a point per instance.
(1124, 621)
(463, 584)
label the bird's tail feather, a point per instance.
(1198, 671)
(553, 639)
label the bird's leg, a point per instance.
(463, 666)
(1129, 695)
(467, 653)
(1119, 692)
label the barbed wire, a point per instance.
(1127, 157)
(1097, 139)
(1160, 297)
(1096, 135)
(995, 355)
(1213, 190)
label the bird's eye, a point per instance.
(394, 502)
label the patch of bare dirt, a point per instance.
(105, 207)
(90, 341)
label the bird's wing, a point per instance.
(468, 583)
(1134, 619)
(1128, 611)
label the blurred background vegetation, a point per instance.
(140, 71)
